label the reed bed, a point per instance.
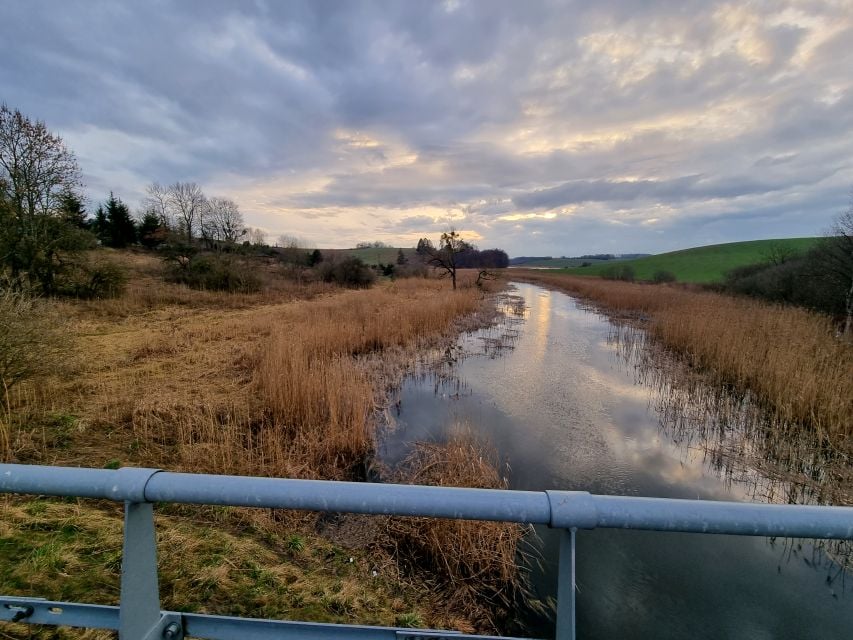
(283, 390)
(476, 561)
(285, 382)
(790, 358)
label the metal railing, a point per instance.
(139, 616)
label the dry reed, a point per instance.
(477, 562)
(788, 357)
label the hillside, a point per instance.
(702, 264)
(560, 263)
(375, 255)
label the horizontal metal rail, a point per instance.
(139, 615)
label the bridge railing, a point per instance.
(139, 616)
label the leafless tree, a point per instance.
(36, 167)
(778, 253)
(256, 236)
(38, 173)
(443, 258)
(157, 200)
(222, 220)
(837, 256)
(186, 202)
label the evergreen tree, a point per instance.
(151, 231)
(101, 227)
(315, 258)
(122, 230)
(401, 257)
(72, 211)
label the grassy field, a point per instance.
(703, 264)
(384, 255)
(284, 382)
(563, 263)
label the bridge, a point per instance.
(140, 617)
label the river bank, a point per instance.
(578, 403)
(286, 382)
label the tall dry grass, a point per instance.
(309, 372)
(477, 561)
(297, 399)
(280, 383)
(790, 358)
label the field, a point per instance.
(703, 264)
(374, 255)
(563, 263)
(285, 382)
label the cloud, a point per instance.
(559, 127)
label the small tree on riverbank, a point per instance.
(444, 257)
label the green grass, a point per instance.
(562, 263)
(72, 550)
(702, 264)
(385, 255)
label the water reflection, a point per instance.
(574, 402)
(757, 457)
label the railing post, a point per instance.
(566, 586)
(139, 610)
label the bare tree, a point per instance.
(37, 168)
(444, 257)
(186, 202)
(222, 220)
(157, 200)
(256, 236)
(37, 175)
(836, 257)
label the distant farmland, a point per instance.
(701, 264)
(374, 255)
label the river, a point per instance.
(558, 398)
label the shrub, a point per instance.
(349, 272)
(661, 276)
(213, 273)
(623, 272)
(31, 343)
(97, 281)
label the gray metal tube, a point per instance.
(739, 518)
(561, 509)
(56, 481)
(351, 497)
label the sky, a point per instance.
(543, 128)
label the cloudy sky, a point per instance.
(544, 128)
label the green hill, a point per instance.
(703, 264)
(375, 255)
(560, 263)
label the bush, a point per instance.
(799, 281)
(348, 272)
(97, 281)
(31, 343)
(212, 273)
(661, 276)
(623, 272)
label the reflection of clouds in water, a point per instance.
(570, 412)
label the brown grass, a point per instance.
(788, 357)
(477, 561)
(283, 382)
